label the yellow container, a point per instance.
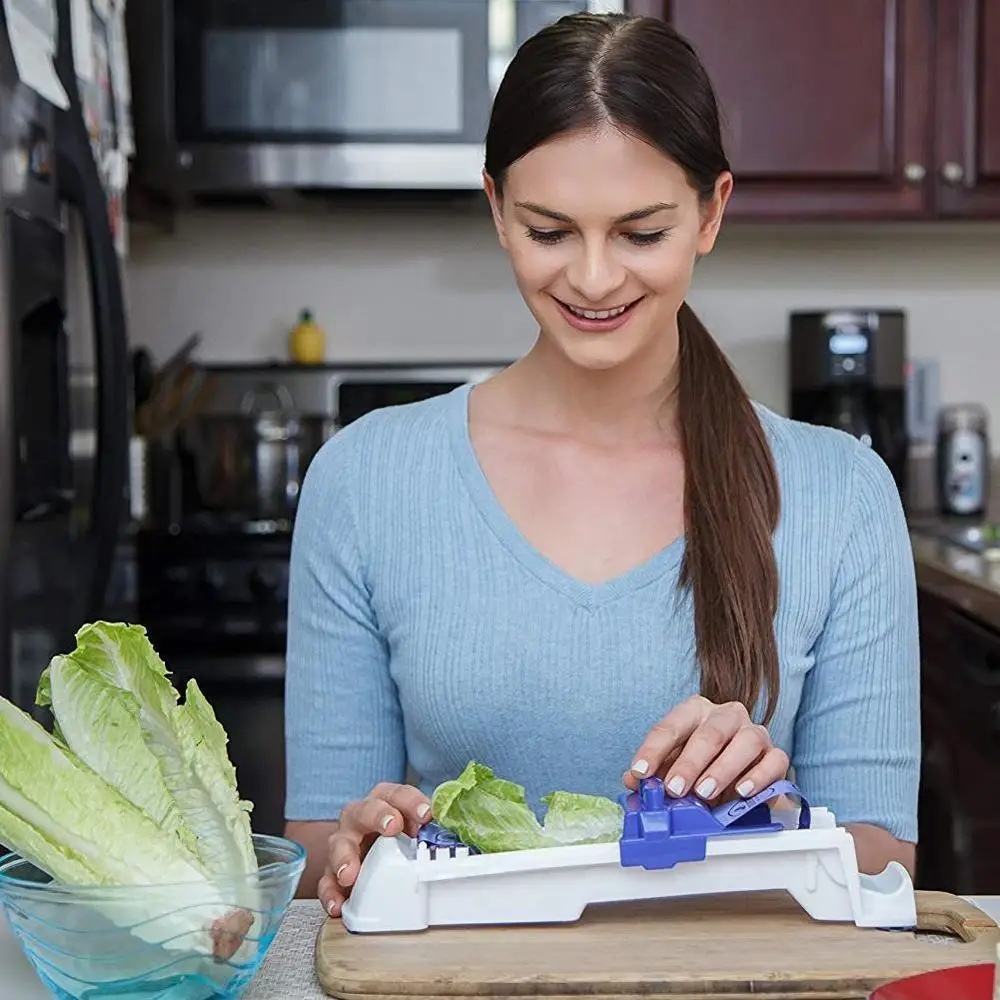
(307, 342)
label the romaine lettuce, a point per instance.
(131, 787)
(493, 814)
(118, 711)
(64, 818)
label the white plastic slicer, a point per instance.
(668, 848)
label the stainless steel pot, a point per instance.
(249, 465)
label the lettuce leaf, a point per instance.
(493, 814)
(100, 724)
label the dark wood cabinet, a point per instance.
(825, 105)
(967, 161)
(860, 109)
(960, 723)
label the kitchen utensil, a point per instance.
(173, 402)
(668, 847)
(176, 361)
(143, 376)
(963, 460)
(169, 410)
(278, 448)
(755, 946)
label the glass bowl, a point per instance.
(182, 941)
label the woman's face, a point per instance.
(603, 231)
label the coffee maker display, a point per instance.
(847, 369)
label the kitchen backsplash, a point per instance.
(433, 283)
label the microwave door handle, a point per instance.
(80, 186)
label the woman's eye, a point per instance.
(646, 239)
(547, 236)
(551, 236)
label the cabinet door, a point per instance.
(646, 8)
(825, 105)
(968, 108)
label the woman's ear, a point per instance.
(711, 213)
(496, 208)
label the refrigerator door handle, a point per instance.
(80, 185)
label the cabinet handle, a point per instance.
(952, 172)
(914, 172)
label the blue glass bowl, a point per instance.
(187, 941)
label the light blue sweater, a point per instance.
(425, 631)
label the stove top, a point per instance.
(219, 523)
(224, 586)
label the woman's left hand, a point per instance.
(715, 750)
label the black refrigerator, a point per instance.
(64, 390)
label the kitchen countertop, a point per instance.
(964, 578)
(287, 973)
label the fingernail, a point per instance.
(744, 788)
(707, 788)
(331, 907)
(343, 868)
(676, 785)
(386, 822)
(640, 766)
(423, 809)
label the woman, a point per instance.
(605, 557)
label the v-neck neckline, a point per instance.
(510, 535)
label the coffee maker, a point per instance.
(847, 369)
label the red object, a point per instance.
(965, 982)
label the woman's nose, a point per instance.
(595, 274)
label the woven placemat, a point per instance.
(289, 971)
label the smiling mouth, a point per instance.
(599, 314)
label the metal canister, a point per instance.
(963, 460)
(278, 447)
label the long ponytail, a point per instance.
(731, 508)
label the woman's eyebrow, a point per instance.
(634, 216)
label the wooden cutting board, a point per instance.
(759, 946)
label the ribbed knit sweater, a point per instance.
(425, 631)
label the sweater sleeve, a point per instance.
(857, 734)
(343, 723)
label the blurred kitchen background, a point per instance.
(231, 228)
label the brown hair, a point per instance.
(642, 76)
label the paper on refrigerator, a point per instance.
(101, 24)
(121, 81)
(83, 59)
(33, 29)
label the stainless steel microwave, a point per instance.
(240, 96)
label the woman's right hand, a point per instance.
(388, 810)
